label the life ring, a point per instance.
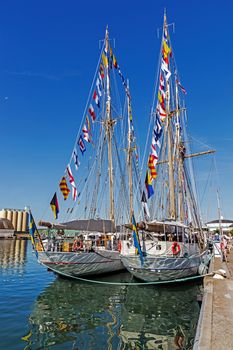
(119, 246)
(175, 248)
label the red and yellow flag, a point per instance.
(64, 188)
(151, 166)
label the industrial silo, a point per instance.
(3, 214)
(9, 214)
(24, 221)
(14, 219)
(19, 221)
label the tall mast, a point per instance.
(109, 129)
(219, 214)
(130, 150)
(181, 154)
(172, 207)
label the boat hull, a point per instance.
(79, 264)
(156, 269)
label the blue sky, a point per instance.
(49, 52)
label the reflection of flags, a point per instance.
(54, 206)
(64, 188)
(27, 337)
(136, 239)
(145, 206)
(148, 183)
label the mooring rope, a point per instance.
(138, 283)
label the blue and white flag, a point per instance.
(75, 159)
(81, 144)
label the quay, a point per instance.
(214, 330)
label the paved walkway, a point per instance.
(215, 328)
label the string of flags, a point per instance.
(161, 110)
(108, 61)
(160, 115)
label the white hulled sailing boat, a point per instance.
(173, 240)
(86, 241)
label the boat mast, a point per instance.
(219, 215)
(130, 150)
(172, 207)
(109, 129)
(181, 154)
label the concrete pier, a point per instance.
(215, 326)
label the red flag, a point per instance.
(92, 112)
(96, 98)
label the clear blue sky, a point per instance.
(49, 52)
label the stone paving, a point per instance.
(215, 329)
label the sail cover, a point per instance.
(98, 225)
(93, 225)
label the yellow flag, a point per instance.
(160, 97)
(104, 59)
(166, 48)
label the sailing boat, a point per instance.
(174, 244)
(87, 241)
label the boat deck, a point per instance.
(216, 318)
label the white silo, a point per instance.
(9, 214)
(24, 221)
(3, 214)
(14, 219)
(19, 221)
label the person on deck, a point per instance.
(78, 244)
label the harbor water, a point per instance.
(39, 310)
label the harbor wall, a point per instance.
(214, 330)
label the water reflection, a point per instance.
(13, 253)
(73, 315)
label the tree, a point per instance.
(231, 232)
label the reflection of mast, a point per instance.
(109, 126)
